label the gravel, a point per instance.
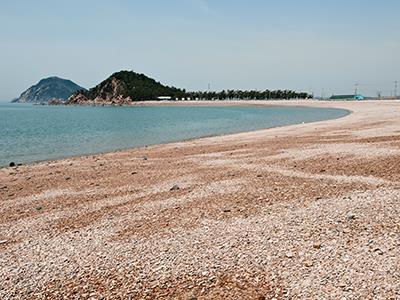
(252, 217)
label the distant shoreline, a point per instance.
(229, 102)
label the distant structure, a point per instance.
(164, 98)
(347, 97)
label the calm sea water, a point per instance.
(31, 133)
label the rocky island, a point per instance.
(49, 89)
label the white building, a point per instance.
(164, 98)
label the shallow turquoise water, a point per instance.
(30, 133)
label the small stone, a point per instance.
(3, 242)
(308, 263)
(67, 178)
(12, 164)
(289, 255)
(133, 173)
(226, 210)
(347, 289)
(39, 208)
(145, 158)
(351, 216)
(175, 188)
(317, 245)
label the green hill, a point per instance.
(124, 87)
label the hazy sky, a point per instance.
(254, 44)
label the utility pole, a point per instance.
(356, 89)
(209, 87)
(395, 88)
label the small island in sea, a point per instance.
(49, 89)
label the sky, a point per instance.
(324, 47)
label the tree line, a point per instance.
(244, 95)
(140, 87)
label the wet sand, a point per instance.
(308, 211)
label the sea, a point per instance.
(31, 133)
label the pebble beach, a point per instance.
(307, 211)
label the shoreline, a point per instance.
(292, 212)
(252, 103)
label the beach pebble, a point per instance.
(289, 255)
(175, 188)
(378, 251)
(317, 245)
(12, 164)
(308, 263)
(351, 216)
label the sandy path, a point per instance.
(308, 211)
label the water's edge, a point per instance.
(346, 112)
